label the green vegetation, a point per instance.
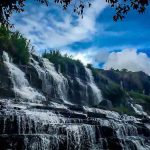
(65, 61)
(90, 66)
(114, 93)
(110, 89)
(140, 98)
(15, 44)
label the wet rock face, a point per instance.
(5, 82)
(137, 81)
(76, 84)
(68, 127)
(32, 76)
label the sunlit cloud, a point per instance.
(93, 55)
(129, 59)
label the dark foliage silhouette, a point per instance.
(122, 7)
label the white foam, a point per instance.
(96, 91)
(21, 85)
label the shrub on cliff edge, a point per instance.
(64, 61)
(15, 44)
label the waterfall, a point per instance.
(138, 109)
(53, 83)
(21, 85)
(60, 81)
(96, 91)
(56, 85)
(65, 126)
(44, 130)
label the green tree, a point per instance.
(15, 44)
(90, 66)
(64, 61)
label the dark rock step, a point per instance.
(76, 108)
(73, 111)
(20, 123)
(47, 142)
(70, 142)
(61, 111)
(31, 127)
(96, 115)
(132, 143)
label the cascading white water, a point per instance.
(21, 85)
(96, 91)
(60, 83)
(56, 84)
(80, 135)
(48, 127)
(138, 109)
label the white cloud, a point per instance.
(129, 59)
(85, 56)
(47, 31)
(92, 55)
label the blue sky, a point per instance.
(92, 39)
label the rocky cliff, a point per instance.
(47, 107)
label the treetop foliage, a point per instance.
(15, 44)
(122, 7)
(56, 53)
(64, 61)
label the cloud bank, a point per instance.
(129, 59)
(57, 28)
